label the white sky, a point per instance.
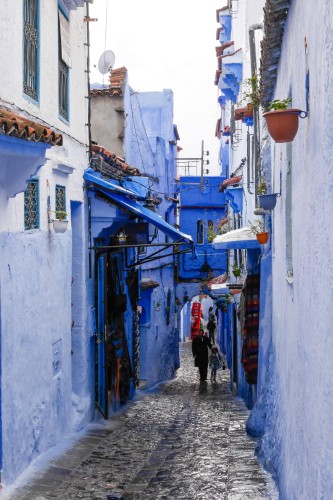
(166, 45)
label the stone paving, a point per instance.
(185, 440)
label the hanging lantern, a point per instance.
(122, 237)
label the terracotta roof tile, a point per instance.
(221, 48)
(218, 129)
(220, 10)
(222, 222)
(117, 80)
(217, 76)
(219, 280)
(18, 126)
(117, 77)
(230, 182)
(232, 54)
(114, 161)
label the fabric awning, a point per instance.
(236, 239)
(112, 185)
(149, 216)
(120, 196)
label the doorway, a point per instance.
(115, 375)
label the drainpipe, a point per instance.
(256, 130)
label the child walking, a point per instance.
(216, 361)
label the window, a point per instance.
(31, 205)
(200, 232)
(64, 65)
(60, 198)
(30, 48)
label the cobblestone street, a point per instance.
(185, 440)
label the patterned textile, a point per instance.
(250, 348)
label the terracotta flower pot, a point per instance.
(262, 238)
(282, 124)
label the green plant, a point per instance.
(257, 227)
(228, 298)
(236, 270)
(251, 91)
(262, 187)
(279, 104)
(60, 214)
(211, 234)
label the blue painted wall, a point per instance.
(206, 205)
(150, 144)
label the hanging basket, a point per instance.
(262, 238)
(282, 124)
(268, 201)
(60, 226)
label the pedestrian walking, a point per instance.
(211, 325)
(200, 346)
(216, 361)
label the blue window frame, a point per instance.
(30, 48)
(63, 64)
(60, 198)
(31, 205)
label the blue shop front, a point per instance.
(119, 227)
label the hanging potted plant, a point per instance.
(60, 224)
(282, 122)
(258, 228)
(268, 201)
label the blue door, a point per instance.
(102, 387)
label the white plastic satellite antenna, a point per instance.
(106, 62)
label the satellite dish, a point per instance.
(106, 62)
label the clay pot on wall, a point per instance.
(282, 124)
(262, 238)
(60, 226)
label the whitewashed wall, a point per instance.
(47, 366)
(11, 50)
(298, 442)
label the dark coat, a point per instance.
(200, 346)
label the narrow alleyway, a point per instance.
(185, 440)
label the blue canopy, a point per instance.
(119, 195)
(109, 184)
